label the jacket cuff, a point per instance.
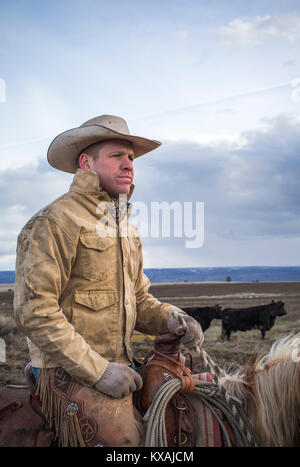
(89, 374)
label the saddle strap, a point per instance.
(188, 382)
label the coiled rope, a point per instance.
(214, 396)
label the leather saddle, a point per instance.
(166, 362)
(22, 423)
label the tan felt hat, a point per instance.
(66, 147)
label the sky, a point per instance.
(218, 83)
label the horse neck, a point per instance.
(236, 385)
(271, 399)
(277, 398)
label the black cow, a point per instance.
(204, 315)
(256, 317)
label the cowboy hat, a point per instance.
(66, 147)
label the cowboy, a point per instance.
(80, 289)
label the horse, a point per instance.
(258, 404)
(270, 392)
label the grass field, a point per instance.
(242, 348)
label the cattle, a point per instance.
(204, 315)
(256, 317)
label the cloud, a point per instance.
(289, 63)
(251, 193)
(254, 30)
(181, 34)
(2, 90)
(23, 192)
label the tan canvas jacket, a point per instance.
(78, 295)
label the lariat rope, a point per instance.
(216, 399)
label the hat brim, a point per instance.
(65, 148)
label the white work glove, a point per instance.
(119, 380)
(187, 327)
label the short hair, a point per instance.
(93, 150)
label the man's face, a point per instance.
(114, 165)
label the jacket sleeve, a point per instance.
(152, 315)
(44, 261)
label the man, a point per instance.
(80, 293)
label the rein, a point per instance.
(232, 403)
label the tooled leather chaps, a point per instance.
(22, 422)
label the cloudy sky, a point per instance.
(217, 82)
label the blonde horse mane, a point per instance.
(270, 390)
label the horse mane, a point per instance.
(270, 389)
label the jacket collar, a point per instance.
(87, 182)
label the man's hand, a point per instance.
(186, 326)
(119, 380)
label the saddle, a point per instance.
(166, 362)
(23, 423)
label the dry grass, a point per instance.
(229, 355)
(243, 347)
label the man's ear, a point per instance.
(84, 161)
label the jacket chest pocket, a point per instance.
(94, 316)
(97, 255)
